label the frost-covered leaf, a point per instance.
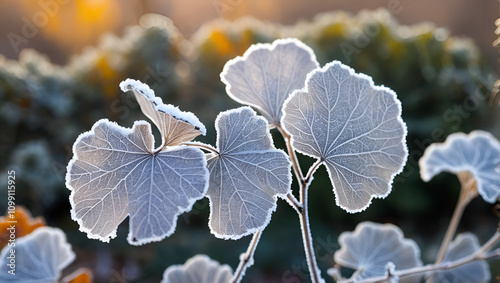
(354, 127)
(477, 153)
(372, 246)
(198, 269)
(39, 257)
(115, 172)
(267, 73)
(175, 125)
(464, 245)
(246, 177)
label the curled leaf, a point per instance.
(477, 271)
(198, 269)
(354, 127)
(175, 125)
(115, 172)
(267, 73)
(246, 176)
(373, 248)
(477, 153)
(38, 257)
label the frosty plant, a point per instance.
(330, 113)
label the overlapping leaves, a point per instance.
(354, 127)
(116, 172)
(477, 153)
(267, 73)
(246, 176)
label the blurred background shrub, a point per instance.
(444, 83)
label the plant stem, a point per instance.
(468, 192)
(246, 259)
(302, 207)
(307, 237)
(205, 147)
(291, 153)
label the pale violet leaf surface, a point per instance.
(198, 269)
(354, 127)
(246, 176)
(267, 73)
(175, 125)
(477, 153)
(39, 257)
(372, 246)
(115, 172)
(464, 245)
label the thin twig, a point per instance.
(311, 171)
(246, 259)
(294, 202)
(468, 192)
(307, 237)
(203, 146)
(291, 153)
(302, 210)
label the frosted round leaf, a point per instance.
(39, 257)
(115, 173)
(246, 177)
(477, 153)
(198, 269)
(353, 126)
(175, 125)
(371, 247)
(267, 73)
(464, 245)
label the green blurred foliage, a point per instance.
(442, 81)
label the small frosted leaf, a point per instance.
(267, 73)
(246, 177)
(464, 245)
(198, 269)
(477, 153)
(115, 173)
(175, 125)
(39, 257)
(354, 127)
(371, 247)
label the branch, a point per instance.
(468, 191)
(246, 258)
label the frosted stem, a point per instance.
(205, 147)
(307, 237)
(468, 192)
(291, 153)
(246, 258)
(301, 207)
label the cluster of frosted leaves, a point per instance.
(246, 177)
(39, 257)
(464, 245)
(116, 172)
(267, 73)
(371, 247)
(477, 153)
(198, 269)
(354, 127)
